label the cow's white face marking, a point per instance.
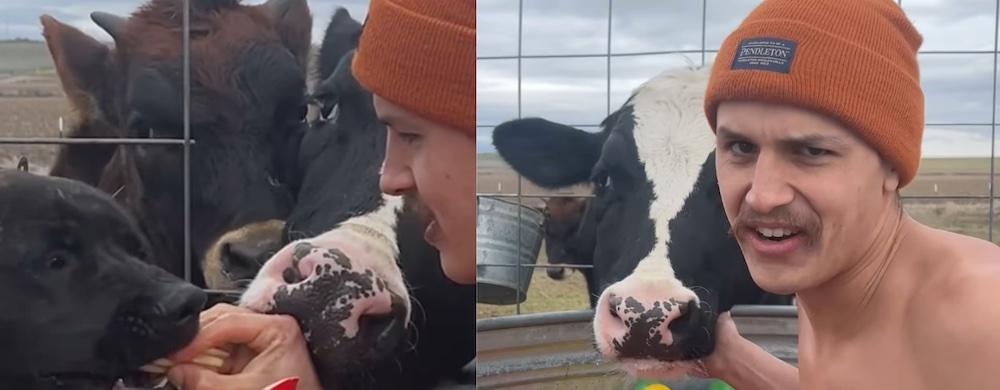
(359, 255)
(672, 140)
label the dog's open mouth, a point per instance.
(148, 377)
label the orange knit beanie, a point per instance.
(421, 55)
(852, 60)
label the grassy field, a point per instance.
(20, 57)
(938, 176)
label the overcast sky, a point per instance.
(957, 87)
(19, 18)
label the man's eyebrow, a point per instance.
(814, 140)
(724, 132)
(796, 141)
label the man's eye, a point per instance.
(814, 152)
(409, 138)
(742, 148)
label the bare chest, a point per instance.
(881, 360)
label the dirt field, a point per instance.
(952, 177)
(31, 102)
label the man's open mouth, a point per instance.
(778, 234)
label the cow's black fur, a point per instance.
(616, 230)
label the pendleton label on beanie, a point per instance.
(854, 61)
(770, 54)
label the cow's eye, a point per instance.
(57, 261)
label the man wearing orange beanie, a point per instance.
(818, 115)
(418, 59)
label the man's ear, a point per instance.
(891, 182)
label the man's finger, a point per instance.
(229, 328)
(219, 309)
(191, 376)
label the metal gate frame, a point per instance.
(991, 197)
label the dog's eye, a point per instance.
(57, 262)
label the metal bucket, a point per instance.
(497, 225)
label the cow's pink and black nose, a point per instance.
(633, 321)
(331, 284)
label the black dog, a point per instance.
(79, 305)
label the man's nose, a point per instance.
(770, 188)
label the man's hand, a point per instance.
(727, 343)
(742, 364)
(265, 349)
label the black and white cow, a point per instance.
(355, 271)
(663, 255)
(80, 304)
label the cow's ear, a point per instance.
(326, 95)
(81, 62)
(548, 154)
(294, 24)
(341, 37)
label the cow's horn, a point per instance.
(278, 8)
(113, 24)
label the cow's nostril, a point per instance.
(376, 324)
(242, 260)
(291, 275)
(689, 318)
(383, 331)
(614, 302)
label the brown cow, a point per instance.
(248, 67)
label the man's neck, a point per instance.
(835, 308)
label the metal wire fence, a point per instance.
(989, 197)
(185, 142)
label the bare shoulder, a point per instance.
(965, 272)
(955, 315)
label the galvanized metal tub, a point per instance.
(555, 350)
(498, 225)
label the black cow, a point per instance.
(663, 255)
(564, 242)
(80, 306)
(248, 67)
(354, 259)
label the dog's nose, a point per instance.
(181, 303)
